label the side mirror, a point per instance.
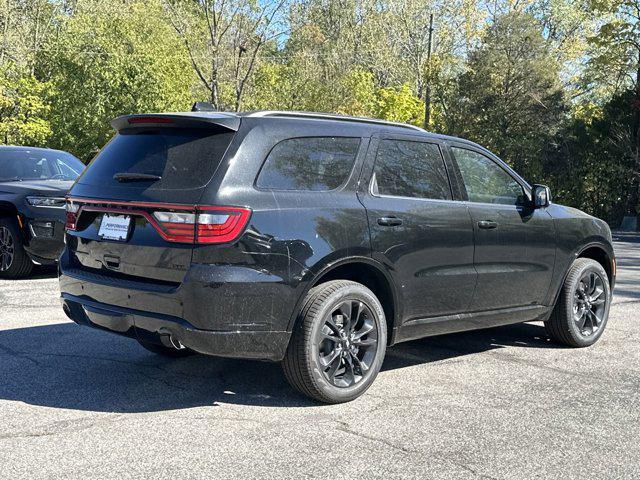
(541, 196)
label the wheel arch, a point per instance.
(367, 272)
(598, 252)
(7, 209)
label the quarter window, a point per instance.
(485, 181)
(312, 163)
(411, 169)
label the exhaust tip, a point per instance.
(168, 340)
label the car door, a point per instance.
(417, 230)
(514, 243)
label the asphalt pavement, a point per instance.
(503, 403)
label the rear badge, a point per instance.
(114, 227)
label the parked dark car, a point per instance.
(33, 184)
(319, 241)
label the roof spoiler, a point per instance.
(199, 119)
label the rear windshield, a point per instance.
(181, 158)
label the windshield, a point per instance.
(16, 165)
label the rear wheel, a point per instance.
(339, 343)
(14, 261)
(582, 311)
(166, 351)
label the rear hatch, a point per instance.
(133, 214)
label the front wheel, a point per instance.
(14, 261)
(339, 343)
(582, 310)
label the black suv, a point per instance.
(33, 185)
(318, 241)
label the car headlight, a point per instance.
(49, 202)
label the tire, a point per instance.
(316, 339)
(166, 351)
(564, 326)
(14, 261)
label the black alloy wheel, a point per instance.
(338, 344)
(14, 261)
(589, 303)
(347, 343)
(582, 310)
(7, 249)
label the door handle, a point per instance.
(389, 221)
(487, 224)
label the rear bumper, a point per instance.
(166, 329)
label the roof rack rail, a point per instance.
(329, 116)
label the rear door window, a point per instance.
(411, 169)
(182, 158)
(310, 163)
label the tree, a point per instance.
(25, 27)
(112, 59)
(23, 109)
(511, 99)
(616, 60)
(593, 160)
(224, 40)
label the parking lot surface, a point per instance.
(499, 403)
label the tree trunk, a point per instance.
(215, 97)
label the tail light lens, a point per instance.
(72, 215)
(220, 225)
(208, 225)
(177, 226)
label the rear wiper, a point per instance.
(136, 177)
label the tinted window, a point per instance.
(183, 158)
(411, 169)
(313, 163)
(38, 165)
(485, 181)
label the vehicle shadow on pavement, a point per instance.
(71, 367)
(40, 272)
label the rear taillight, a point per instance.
(207, 225)
(177, 226)
(220, 224)
(72, 215)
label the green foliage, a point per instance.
(593, 159)
(549, 85)
(112, 59)
(399, 105)
(23, 109)
(361, 99)
(511, 99)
